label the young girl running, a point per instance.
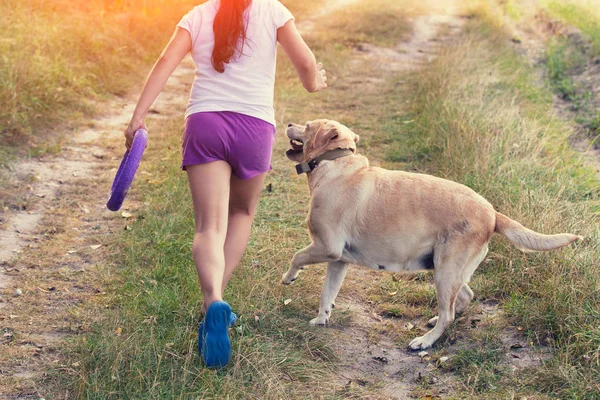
(228, 135)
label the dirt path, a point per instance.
(531, 35)
(50, 254)
(370, 352)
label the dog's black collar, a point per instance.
(330, 155)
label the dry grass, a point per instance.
(59, 58)
(377, 22)
(479, 120)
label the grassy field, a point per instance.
(479, 119)
(474, 115)
(570, 54)
(59, 58)
(583, 15)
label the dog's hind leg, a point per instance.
(465, 295)
(314, 253)
(447, 285)
(336, 272)
(452, 272)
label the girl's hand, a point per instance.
(321, 78)
(134, 125)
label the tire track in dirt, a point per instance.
(531, 34)
(53, 256)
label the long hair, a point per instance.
(230, 31)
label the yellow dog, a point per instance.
(394, 221)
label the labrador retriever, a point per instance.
(394, 221)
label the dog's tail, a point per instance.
(528, 240)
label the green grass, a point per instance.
(479, 367)
(569, 54)
(478, 118)
(584, 15)
(563, 58)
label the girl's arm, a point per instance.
(310, 73)
(177, 48)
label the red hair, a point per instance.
(229, 30)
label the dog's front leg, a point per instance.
(312, 254)
(336, 272)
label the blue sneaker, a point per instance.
(232, 320)
(213, 343)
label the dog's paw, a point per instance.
(431, 323)
(420, 343)
(288, 278)
(319, 321)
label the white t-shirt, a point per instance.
(247, 85)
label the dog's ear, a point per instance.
(327, 135)
(330, 136)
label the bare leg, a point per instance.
(243, 200)
(210, 187)
(336, 272)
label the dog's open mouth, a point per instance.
(297, 147)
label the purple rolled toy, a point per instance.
(127, 169)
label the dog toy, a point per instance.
(129, 165)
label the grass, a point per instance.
(563, 57)
(581, 14)
(479, 367)
(378, 22)
(478, 119)
(570, 54)
(512, 8)
(475, 116)
(59, 59)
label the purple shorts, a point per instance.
(245, 142)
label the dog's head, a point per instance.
(318, 137)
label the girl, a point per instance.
(228, 135)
